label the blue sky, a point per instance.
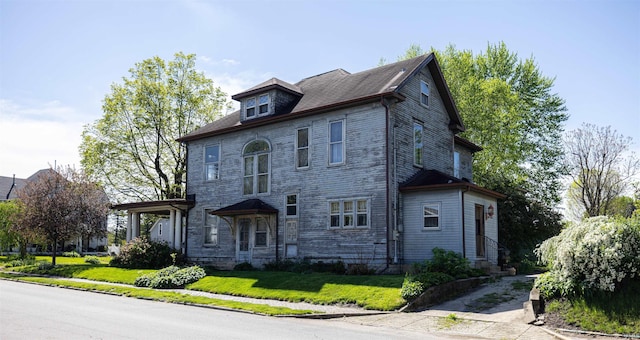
(59, 58)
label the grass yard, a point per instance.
(607, 313)
(379, 292)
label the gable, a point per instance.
(337, 89)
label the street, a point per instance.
(29, 311)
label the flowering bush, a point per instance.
(594, 255)
(171, 277)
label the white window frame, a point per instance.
(255, 175)
(418, 146)
(341, 142)
(265, 232)
(456, 164)
(216, 164)
(206, 218)
(254, 107)
(296, 205)
(424, 96)
(349, 219)
(432, 205)
(257, 106)
(300, 148)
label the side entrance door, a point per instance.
(243, 242)
(480, 242)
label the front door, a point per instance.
(480, 243)
(243, 242)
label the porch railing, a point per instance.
(495, 252)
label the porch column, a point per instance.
(172, 227)
(179, 230)
(129, 231)
(136, 225)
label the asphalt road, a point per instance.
(30, 311)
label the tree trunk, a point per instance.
(53, 254)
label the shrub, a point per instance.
(71, 254)
(597, 254)
(305, 266)
(142, 253)
(244, 266)
(92, 259)
(411, 288)
(45, 265)
(171, 277)
(17, 261)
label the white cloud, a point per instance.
(36, 137)
(230, 62)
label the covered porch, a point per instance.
(175, 209)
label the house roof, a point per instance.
(467, 143)
(336, 89)
(161, 207)
(250, 206)
(9, 191)
(428, 180)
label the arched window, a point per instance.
(256, 167)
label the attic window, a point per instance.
(424, 93)
(262, 106)
(251, 108)
(263, 102)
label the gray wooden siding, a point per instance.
(362, 176)
(419, 242)
(466, 163)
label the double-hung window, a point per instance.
(212, 162)
(417, 144)
(251, 108)
(302, 148)
(349, 213)
(291, 204)
(431, 214)
(256, 168)
(262, 231)
(211, 222)
(336, 142)
(257, 106)
(263, 104)
(424, 93)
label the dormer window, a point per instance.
(260, 103)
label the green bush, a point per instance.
(171, 277)
(305, 266)
(142, 253)
(411, 288)
(17, 261)
(45, 265)
(71, 254)
(598, 254)
(92, 259)
(244, 266)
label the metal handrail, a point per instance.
(493, 249)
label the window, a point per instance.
(456, 164)
(336, 142)
(431, 215)
(424, 93)
(417, 144)
(251, 108)
(256, 168)
(291, 205)
(212, 162)
(261, 232)
(349, 213)
(302, 148)
(210, 228)
(263, 104)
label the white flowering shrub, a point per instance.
(594, 255)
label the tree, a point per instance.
(132, 150)
(601, 167)
(8, 214)
(62, 204)
(508, 108)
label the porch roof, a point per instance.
(162, 207)
(250, 206)
(426, 180)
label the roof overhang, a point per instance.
(454, 186)
(162, 207)
(248, 207)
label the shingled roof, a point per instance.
(425, 180)
(336, 89)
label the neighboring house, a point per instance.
(8, 191)
(366, 168)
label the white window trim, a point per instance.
(256, 107)
(308, 147)
(427, 94)
(266, 232)
(255, 155)
(205, 226)
(343, 141)
(437, 205)
(206, 163)
(413, 133)
(354, 213)
(286, 205)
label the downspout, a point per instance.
(277, 257)
(12, 186)
(186, 214)
(386, 135)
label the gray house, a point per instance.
(366, 168)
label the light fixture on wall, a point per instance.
(490, 211)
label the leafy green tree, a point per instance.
(132, 149)
(508, 107)
(9, 238)
(601, 167)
